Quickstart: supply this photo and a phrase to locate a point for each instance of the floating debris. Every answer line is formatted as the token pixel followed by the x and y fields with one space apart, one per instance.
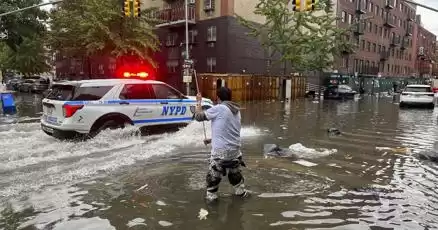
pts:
pixel 202 214
pixel 164 223
pixel 142 187
pixel 161 203
pixel 135 222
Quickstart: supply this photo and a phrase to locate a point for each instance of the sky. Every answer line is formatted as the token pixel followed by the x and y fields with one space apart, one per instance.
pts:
pixel 429 18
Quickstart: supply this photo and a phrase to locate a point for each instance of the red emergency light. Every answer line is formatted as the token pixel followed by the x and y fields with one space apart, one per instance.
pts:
pixel 139 74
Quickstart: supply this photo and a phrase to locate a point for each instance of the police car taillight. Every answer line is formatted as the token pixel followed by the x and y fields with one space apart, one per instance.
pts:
pixel 70 110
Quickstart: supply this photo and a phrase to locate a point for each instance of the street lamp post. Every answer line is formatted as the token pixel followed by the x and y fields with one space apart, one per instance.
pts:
pixel 186 71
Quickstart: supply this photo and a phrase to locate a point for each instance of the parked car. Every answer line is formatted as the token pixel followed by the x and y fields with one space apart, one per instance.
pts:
pixel 339 92
pixel 26 85
pixel 417 95
pixel 34 85
pixel 13 83
pixel 40 85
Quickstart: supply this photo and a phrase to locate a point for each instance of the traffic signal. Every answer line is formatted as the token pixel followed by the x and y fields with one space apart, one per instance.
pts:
pixel 136 8
pixel 127 8
pixel 309 5
pixel 296 5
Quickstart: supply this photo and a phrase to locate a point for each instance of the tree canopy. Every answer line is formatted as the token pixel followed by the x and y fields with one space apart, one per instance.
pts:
pixel 31 57
pixel 94 27
pixel 28 23
pixel 24 50
pixel 308 41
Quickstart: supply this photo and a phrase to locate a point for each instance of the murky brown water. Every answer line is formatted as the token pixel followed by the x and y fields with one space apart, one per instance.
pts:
pixel 117 181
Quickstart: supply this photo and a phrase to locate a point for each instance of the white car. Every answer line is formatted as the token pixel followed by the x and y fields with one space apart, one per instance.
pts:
pixel 84 108
pixel 417 95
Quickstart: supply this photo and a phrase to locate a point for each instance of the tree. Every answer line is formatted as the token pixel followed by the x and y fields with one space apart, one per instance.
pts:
pixel 31 57
pixel 82 28
pixel 28 23
pixel 307 40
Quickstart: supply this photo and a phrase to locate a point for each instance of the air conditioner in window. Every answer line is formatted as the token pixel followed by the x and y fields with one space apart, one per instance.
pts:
pixel 208 5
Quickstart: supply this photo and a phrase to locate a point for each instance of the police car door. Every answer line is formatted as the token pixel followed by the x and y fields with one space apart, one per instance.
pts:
pixel 138 99
pixel 174 109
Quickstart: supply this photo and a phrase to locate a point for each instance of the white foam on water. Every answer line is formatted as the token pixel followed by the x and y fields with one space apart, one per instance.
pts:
pixel 161 203
pixel 165 223
pixel 136 222
pixel 94 223
pixel 31 160
pixel 304 152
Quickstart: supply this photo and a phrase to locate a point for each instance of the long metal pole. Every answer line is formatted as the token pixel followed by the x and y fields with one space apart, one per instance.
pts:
pixel 421 5
pixel 30 7
pixel 187 39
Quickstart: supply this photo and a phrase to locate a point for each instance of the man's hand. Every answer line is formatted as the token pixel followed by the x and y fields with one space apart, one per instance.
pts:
pixel 207 141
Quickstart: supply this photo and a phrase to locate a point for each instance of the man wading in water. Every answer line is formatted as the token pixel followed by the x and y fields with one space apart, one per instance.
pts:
pixel 225 153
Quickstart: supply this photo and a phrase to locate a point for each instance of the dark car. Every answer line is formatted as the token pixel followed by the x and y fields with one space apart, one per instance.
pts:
pixel 13 83
pixel 339 92
pixel 34 85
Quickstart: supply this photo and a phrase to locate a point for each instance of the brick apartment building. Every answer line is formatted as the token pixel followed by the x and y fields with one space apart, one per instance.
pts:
pixel 217 41
pixel 383 33
pixel 425 44
pixel 387 37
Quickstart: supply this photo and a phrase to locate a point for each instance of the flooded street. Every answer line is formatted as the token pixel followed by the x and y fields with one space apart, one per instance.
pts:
pixel 365 178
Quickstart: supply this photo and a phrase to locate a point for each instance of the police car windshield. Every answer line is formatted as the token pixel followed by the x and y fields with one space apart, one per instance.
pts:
pixel 75 93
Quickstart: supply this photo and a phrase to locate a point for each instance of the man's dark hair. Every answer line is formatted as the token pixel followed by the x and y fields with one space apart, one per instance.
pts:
pixel 224 94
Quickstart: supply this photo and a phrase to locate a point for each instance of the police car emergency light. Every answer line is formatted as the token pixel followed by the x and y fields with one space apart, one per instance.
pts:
pixel 85 108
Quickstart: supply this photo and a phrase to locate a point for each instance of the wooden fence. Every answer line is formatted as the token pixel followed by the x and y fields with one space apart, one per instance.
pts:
pixel 251 87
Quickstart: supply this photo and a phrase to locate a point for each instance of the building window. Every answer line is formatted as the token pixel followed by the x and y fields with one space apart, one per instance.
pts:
pixel 211 64
pixel 376 10
pixel 211 34
pixel 192 36
pixel 173 53
pixel 171 39
pixel 172 66
pixel 370 27
pixel 345 61
pixel 209 5
pixel 374 47
pixel 380 48
pixel 350 18
pixel 344 16
pixel 381 31
pixel 368 46
pixel 362 45
pixel 375 28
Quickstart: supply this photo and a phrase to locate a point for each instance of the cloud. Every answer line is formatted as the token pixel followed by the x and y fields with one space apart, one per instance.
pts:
pixel 428 17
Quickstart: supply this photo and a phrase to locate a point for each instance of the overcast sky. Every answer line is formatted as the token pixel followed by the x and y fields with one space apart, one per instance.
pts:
pixel 428 18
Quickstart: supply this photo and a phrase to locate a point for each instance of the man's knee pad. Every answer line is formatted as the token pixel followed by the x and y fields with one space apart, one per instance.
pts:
pixel 213 182
pixel 235 177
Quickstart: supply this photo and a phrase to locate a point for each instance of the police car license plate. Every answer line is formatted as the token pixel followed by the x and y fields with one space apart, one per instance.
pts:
pixel 50 119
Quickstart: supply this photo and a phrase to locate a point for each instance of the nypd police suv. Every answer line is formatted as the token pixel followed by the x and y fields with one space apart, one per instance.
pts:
pixel 84 108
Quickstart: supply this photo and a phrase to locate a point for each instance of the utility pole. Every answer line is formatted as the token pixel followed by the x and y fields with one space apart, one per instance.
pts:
pixel 186 12
pixel 30 7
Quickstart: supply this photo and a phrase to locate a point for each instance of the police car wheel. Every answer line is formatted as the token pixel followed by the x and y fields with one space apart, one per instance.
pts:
pixel 109 124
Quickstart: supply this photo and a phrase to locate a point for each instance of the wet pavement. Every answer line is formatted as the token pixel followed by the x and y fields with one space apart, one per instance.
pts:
pixel 366 178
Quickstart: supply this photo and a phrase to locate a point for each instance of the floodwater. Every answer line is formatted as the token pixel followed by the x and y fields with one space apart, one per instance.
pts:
pixel 366 178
